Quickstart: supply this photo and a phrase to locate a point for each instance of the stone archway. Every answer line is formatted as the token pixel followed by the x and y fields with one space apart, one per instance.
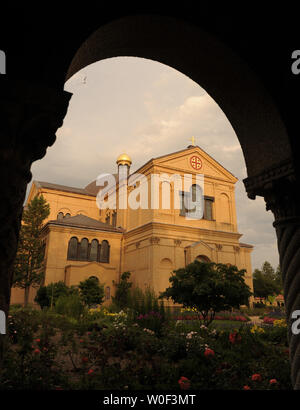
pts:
pixel 244 100
pixel 33 112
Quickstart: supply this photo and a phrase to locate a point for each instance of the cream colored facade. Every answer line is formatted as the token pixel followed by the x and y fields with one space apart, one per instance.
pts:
pixel 150 243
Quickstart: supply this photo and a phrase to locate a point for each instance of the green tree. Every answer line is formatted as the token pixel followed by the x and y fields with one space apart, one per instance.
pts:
pixel 121 298
pixel 91 291
pixel 47 295
pixel 208 287
pixel 28 268
pixel 268 270
pixel 267 282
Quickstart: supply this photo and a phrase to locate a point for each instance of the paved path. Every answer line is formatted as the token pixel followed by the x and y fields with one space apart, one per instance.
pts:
pixel 255 320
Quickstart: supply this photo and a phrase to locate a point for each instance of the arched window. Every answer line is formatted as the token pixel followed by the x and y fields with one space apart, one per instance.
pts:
pixel 224 208
pixel 107 219
pixel 94 278
pixel 60 216
pixel 67 215
pixel 83 249
pixel 72 248
pixel 94 251
pixel 202 258
pixel 107 293
pixel 165 270
pixel 104 252
pixel 166 263
pixel 166 195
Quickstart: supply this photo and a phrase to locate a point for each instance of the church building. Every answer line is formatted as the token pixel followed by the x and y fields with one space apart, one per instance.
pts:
pixel 82 240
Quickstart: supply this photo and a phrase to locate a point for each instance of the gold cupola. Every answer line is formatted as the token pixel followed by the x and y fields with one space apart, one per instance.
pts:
pixel 124 159
pixel 123 162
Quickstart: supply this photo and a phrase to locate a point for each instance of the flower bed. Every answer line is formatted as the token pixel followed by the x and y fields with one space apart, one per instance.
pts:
pixel 238 318
pixel 47 351
pixel 269 320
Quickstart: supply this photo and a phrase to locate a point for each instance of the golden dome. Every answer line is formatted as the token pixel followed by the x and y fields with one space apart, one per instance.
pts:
pixel 124 159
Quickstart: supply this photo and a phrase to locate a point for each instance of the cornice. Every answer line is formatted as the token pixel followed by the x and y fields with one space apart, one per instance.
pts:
pixel 90 263
pixel 174 227
pixel 52 227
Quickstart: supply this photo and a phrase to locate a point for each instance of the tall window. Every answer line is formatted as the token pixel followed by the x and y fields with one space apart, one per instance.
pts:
pixel 104 252
pixel 107 219
pixel 94 250
pixel 83 249
pixel 208 208
pixel 72 248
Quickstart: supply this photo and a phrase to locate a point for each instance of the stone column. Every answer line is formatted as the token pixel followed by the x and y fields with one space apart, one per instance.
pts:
pixel 30 115
pixel 280 188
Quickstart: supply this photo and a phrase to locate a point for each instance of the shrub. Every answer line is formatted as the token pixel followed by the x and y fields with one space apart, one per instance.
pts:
pixel 47 295
pixel 69 305
pixel 121 298
pixel 91 291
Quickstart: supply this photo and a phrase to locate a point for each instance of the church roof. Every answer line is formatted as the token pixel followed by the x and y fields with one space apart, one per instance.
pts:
pixel 93 189
pixel 82 221
pixel 58 187
pixel 245 245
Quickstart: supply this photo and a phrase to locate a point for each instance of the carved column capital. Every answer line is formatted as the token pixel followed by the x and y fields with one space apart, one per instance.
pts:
pixel 219 246
pixel 279 187
pixel 177 242
pixel 154 240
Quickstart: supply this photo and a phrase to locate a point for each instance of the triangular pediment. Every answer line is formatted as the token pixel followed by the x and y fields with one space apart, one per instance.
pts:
pixel 194 160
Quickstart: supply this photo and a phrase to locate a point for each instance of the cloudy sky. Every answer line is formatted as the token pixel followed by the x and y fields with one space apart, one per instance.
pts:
pixel 147 109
